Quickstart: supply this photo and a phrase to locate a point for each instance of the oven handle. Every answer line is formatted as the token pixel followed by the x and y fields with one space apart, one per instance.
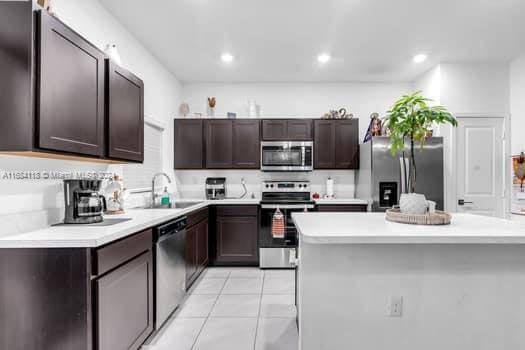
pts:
pixel 287 206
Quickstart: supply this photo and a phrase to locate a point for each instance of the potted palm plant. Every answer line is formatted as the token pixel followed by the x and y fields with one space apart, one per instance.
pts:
pixel 409 120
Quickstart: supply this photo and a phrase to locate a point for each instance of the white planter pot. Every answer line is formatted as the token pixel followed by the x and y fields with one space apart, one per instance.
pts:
pixel 415 203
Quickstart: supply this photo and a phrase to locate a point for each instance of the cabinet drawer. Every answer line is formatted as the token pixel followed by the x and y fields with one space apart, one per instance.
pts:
pixel 114 254
pixel 197 216
pixel 343 208
pixel 237 210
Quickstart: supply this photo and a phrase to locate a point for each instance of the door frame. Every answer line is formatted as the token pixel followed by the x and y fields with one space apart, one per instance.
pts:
pixel 451 174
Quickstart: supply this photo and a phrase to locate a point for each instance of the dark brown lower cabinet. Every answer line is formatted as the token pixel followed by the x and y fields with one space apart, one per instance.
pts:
pixel 237 239
pixel 125 305
pixel 77 298
pixel 191 256
pixel 196 245
pixel 202 245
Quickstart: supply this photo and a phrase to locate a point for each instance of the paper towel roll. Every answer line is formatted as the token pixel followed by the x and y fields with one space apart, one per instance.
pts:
pixel 329 187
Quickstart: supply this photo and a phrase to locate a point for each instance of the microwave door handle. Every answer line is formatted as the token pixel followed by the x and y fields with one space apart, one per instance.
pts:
pixel 303 155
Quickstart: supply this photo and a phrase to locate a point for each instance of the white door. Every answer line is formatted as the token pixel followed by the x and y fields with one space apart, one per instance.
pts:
pixel 481 166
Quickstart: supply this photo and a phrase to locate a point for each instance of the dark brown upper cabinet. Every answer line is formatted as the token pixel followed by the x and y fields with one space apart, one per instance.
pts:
pixel 232 144
pixel 246 144
pixel 286 129
pixel 219 144
pixel 125 114
pixel 274 130
pixel 55 103
pixel 299 129
pixel 70 90
pixel 324 144
pixel 347 144
pixel 189 144
pixel 336 144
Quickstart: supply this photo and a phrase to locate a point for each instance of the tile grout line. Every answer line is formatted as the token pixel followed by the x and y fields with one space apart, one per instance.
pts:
pixel 259 312
pixel 209 313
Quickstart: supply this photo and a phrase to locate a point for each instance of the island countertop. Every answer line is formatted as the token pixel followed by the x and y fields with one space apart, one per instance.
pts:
pixel 373 228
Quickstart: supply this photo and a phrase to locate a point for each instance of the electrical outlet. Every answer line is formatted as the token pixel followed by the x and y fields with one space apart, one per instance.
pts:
pixel 396 307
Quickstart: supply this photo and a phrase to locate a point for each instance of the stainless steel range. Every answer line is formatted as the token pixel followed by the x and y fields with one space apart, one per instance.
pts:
pixel 288 197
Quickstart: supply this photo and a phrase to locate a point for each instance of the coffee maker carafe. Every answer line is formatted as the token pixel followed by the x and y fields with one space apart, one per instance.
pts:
pixel 83 202
pixel 216 188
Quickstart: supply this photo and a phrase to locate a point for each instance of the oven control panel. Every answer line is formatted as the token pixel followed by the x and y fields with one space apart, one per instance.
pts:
pixel 286 186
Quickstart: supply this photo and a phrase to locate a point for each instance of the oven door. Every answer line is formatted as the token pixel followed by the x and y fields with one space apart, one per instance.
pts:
pixel 287 156
pixel 276 252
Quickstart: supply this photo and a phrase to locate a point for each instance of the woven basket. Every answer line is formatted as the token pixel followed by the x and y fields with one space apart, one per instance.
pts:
pixel 437 218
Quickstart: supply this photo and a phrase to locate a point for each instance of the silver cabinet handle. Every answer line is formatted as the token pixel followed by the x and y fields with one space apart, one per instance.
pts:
pixel 462 202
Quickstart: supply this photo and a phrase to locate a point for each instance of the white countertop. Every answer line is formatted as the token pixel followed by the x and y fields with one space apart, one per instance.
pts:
pixel 372 228
pixel 86 236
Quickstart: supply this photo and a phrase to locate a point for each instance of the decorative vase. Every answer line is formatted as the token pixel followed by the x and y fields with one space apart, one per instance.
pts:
pixel 415 203
pixel 252 109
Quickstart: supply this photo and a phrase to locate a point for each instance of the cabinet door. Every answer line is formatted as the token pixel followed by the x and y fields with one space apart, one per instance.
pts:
pixel 125 305
pixel 299 129
pixel 274 130
pixel 202 244
pixel 219 144
pixel 246 144
pixel 70 91
pixel 125 114
pixel 191 254
pixel 347 144
pixel 324 144
pixel 188 144
pixel 237 239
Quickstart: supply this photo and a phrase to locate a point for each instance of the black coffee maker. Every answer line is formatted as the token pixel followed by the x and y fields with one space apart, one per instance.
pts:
pixel 84 203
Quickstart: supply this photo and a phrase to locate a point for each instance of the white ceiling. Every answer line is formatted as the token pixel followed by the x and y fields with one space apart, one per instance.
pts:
pixel 278 40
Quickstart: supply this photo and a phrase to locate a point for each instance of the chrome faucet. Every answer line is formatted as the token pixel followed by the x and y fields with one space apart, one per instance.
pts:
pixel 153 195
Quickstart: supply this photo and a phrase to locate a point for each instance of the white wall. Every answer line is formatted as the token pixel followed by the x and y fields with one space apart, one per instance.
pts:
pixel 475 88
pixel 466 90
pixel 517 104
pixel 40 201
pixel 297 99
pixel 191 183
pixel 429 83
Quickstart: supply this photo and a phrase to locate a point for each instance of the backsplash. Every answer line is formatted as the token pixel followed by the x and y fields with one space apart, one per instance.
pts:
pixel 190 183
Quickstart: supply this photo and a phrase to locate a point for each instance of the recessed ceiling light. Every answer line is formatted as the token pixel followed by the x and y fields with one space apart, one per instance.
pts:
pixel 227 57
pixel 323 58
pixel 420 58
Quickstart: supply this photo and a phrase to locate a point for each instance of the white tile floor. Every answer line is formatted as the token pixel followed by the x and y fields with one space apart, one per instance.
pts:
pixel 234 309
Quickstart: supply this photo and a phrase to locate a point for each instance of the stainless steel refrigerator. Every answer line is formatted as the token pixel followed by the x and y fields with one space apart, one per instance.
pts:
pixel 379 178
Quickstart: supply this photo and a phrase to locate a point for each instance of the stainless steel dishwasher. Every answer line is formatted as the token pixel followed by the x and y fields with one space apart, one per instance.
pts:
pixel 170 277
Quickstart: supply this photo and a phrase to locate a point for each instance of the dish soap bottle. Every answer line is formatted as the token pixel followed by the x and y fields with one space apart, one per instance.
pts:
pixel 165 199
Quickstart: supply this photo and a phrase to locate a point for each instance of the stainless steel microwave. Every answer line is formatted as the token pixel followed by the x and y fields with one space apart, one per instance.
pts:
pixel 287 155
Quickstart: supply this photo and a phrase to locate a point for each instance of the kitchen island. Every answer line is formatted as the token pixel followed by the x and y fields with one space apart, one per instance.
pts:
pixel 369 284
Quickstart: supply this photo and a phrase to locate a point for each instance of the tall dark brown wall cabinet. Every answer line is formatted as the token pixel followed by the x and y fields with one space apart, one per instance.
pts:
pixel 53 102
pixel 336 144
pixel 188 144
pixel 125 114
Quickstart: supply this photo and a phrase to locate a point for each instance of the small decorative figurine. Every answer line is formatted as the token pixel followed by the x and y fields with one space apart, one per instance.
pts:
pixel 211 106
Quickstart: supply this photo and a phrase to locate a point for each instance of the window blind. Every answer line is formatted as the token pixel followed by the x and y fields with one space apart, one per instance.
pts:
pixel 138 176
